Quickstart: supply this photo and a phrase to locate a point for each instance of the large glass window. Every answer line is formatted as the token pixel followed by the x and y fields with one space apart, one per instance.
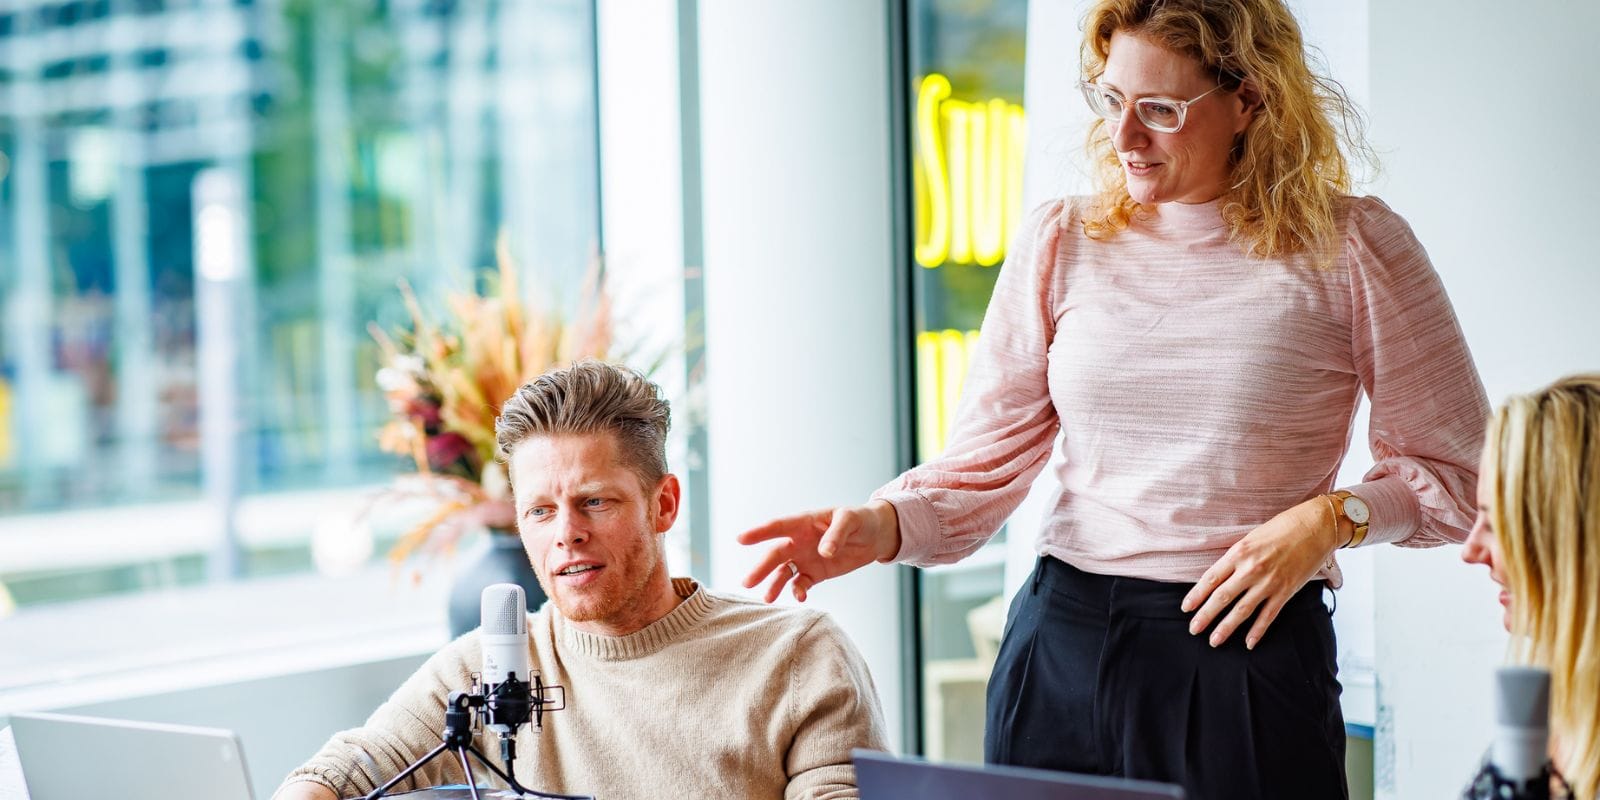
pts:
pixel 341 146
pixel 968 135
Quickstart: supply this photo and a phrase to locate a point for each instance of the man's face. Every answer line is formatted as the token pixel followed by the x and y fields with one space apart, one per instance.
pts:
pixel 593 532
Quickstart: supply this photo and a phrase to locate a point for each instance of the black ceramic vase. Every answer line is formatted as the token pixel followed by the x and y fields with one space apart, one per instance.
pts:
pixel 498 559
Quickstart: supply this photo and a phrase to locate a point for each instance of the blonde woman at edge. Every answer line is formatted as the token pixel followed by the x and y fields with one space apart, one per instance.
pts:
pixel 1538 532
pixel 1195 339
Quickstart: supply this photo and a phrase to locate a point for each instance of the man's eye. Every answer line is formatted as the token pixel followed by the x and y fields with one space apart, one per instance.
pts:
pixel 594 502
pixel 538 511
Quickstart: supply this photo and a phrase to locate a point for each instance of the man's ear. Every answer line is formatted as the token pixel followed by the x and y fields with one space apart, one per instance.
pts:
pixel 668 499
pixel 1248 96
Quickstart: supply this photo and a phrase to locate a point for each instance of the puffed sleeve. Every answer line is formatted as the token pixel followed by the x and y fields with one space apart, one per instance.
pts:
pixel 1005 422
pixel 1428 403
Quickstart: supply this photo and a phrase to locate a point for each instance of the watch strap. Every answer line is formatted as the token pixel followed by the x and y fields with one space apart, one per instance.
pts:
pixel 1361 528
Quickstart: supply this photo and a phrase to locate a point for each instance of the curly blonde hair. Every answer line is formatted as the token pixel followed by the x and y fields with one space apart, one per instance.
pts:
pixel 1287 171
pixel 1543 458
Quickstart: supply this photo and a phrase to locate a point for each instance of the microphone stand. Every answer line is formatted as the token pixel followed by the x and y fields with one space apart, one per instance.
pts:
pixel 456 737
pixel 1491 784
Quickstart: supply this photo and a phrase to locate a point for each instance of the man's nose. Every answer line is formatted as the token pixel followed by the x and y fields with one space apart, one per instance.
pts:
pixel 573 530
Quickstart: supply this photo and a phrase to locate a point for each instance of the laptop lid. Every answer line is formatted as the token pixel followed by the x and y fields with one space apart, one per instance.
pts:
pixel 881 776
pixel 80 758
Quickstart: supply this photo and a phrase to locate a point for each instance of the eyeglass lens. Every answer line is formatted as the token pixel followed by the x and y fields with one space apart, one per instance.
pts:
pixel 1156 113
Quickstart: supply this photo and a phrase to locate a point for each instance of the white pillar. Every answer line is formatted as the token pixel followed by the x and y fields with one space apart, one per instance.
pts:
pixel 220 242
pixel 336 291
pixel 138 389
pixel 642 176
pixel 801 342
pixel 28 315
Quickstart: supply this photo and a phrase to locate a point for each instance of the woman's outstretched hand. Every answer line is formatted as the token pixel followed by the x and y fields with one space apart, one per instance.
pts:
pixel 1260 572
pixel 819 545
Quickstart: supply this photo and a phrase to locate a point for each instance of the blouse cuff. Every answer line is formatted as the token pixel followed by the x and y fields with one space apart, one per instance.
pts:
pixel 919 525
pixel 1395 512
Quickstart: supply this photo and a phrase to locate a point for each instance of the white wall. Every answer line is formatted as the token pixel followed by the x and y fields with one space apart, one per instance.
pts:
pixel 800 340
pixel 1485 112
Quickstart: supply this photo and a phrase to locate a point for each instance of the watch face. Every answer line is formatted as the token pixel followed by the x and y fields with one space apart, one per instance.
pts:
pixel 1356 509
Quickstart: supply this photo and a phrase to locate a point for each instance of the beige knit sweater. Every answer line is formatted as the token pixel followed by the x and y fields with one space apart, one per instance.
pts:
pixel 722 698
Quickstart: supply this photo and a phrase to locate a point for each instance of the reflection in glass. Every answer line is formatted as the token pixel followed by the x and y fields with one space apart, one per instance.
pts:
pixel 372 141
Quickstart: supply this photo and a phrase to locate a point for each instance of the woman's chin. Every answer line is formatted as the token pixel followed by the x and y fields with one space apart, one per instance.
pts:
pixel 1144 195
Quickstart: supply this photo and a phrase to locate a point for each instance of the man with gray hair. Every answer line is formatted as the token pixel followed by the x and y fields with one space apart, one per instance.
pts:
pixel 672 690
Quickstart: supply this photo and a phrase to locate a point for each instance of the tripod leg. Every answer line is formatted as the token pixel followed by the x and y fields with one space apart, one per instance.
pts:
pixel 517 787
pixel 384 789
pixel 466 766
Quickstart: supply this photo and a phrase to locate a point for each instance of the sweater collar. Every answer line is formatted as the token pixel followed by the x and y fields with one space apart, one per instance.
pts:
pixel 1197 217
pixel 647 640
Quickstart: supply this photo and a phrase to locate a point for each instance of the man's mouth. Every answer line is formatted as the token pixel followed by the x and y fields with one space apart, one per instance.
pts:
pixel 578 569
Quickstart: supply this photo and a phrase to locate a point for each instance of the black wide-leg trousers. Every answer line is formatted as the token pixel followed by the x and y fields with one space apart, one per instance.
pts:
pixel 1099 675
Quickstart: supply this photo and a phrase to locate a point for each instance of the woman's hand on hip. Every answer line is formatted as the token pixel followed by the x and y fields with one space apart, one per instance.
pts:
pixel 1260 572
pixel 819 545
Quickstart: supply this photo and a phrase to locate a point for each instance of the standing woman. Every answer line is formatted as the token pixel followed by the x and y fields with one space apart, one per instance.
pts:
pixel 1538 532
pixel 1195 338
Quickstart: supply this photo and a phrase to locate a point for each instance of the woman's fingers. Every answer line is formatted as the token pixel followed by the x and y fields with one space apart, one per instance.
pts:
pixel 837 534
pixel 1243 607
pixel 766 565
pixel 1207 584
pixel 780 579
pixel 780 528
pixel 802 584
pixel 1217 602
pixel 1269 612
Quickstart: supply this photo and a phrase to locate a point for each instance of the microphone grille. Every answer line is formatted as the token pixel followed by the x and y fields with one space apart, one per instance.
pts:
pixel 504 609
pixel 1524 697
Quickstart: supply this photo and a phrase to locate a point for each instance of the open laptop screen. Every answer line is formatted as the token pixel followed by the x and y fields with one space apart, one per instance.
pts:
pixel 79 758
pixel 881 776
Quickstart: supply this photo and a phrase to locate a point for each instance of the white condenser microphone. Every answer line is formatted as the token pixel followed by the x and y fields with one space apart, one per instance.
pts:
pixel 1518 767
pixel 1522 727
pixel 507 670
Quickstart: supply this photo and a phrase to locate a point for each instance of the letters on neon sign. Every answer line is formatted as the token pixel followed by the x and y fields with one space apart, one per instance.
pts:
pixel 968 175
pixel 942 358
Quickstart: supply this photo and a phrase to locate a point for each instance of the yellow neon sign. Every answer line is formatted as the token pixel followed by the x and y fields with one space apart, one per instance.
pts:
pixel 968 176
pixel 942 360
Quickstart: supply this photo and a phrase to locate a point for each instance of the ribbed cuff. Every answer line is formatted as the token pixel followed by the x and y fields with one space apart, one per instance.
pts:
pixel 919 526
pixel 315 777
pixel 1395 512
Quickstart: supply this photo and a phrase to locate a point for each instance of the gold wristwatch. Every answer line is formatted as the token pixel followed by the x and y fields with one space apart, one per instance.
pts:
pixel 1353 508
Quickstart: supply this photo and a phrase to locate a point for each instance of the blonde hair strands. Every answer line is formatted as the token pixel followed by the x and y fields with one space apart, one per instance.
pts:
pixel 1287 170
pixel 1544 453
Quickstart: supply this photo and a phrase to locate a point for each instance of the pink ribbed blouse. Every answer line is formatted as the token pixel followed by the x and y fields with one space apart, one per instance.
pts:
pixel 1195 393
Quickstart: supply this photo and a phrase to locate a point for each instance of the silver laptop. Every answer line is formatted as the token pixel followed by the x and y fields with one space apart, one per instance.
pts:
pixel 80 758
pixel 881 776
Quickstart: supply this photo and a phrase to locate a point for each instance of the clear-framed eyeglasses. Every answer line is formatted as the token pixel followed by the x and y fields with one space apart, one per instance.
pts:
pixel 1160 114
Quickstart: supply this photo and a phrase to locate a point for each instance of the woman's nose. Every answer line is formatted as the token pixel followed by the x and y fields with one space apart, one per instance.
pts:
pixel 1128 132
